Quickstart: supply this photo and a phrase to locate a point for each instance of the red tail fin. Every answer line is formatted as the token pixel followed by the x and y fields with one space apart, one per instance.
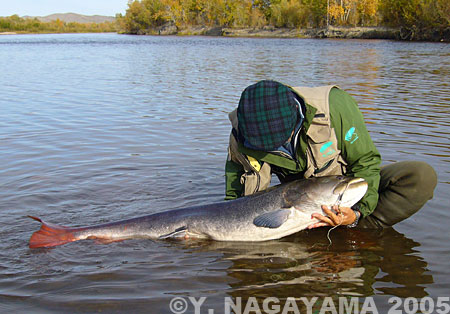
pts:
pixel 50 235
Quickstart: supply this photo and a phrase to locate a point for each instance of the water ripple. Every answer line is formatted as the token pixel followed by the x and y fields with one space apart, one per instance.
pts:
pixel 101 127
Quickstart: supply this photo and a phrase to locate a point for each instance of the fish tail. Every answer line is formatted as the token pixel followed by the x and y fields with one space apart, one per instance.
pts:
pixel 51 235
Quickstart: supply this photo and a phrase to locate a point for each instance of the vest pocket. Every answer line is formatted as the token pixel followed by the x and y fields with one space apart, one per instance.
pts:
pixel 319 130
pixel 254 181
pixel 322 153
pixel 322 145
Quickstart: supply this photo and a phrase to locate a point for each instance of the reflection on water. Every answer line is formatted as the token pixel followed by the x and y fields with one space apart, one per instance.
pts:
pixel 102 127
pixel 359 263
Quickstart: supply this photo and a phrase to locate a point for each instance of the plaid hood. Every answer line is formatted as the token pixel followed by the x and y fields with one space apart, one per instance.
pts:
pixel 267 114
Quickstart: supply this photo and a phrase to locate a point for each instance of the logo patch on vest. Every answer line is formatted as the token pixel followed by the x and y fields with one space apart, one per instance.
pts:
pixel 351 136
pixel 324 148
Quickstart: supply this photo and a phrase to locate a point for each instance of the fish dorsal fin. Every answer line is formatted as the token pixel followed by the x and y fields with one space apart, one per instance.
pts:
pixel 272 219
pixel 177 234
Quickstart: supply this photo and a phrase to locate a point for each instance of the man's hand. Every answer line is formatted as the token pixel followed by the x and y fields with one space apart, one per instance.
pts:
pixel 337 215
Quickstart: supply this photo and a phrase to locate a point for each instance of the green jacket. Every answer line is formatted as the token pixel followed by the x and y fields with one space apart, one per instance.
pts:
pixel 357 149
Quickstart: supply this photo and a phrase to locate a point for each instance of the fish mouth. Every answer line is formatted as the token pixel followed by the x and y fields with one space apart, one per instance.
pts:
pixel 346 182
pixel 357 182
pixel 350 190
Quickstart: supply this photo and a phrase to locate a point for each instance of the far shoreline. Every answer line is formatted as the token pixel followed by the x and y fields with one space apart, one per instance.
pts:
pixel 331 32
pixel 341 32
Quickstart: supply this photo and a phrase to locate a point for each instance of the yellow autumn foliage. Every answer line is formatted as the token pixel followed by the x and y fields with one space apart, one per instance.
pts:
pixel 144 15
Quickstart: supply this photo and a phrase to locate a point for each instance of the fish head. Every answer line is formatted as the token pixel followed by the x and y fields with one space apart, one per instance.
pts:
pixel 349 190
pixel 329 191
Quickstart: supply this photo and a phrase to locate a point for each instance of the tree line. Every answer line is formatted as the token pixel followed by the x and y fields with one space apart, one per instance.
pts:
pixel 143 15
pixel 17 24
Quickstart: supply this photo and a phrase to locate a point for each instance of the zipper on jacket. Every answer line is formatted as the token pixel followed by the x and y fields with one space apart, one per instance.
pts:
pixel 317 171
pixel 282 154
pixel 258 182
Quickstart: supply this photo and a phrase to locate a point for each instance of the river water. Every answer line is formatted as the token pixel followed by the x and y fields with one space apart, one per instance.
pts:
pixel 101 127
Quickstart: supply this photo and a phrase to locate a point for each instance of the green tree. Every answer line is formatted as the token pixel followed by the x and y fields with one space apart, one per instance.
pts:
pixel 419 14
pixel 288 13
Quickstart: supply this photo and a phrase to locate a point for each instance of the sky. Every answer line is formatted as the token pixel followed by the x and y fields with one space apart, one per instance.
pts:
pixel 47 7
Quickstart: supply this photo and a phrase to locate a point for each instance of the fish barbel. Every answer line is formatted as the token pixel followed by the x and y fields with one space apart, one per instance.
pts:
pixel 271 214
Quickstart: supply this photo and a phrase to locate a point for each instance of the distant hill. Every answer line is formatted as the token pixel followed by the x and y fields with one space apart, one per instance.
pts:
pixel 73 17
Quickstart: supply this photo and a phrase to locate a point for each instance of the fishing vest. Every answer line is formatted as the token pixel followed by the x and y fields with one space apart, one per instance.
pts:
pixel 322 153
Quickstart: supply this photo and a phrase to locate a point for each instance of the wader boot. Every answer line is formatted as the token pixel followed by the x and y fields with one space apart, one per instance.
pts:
pixel 404 188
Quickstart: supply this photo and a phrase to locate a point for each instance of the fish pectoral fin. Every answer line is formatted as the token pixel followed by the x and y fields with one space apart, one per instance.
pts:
pixel 179 233
pixel 272 219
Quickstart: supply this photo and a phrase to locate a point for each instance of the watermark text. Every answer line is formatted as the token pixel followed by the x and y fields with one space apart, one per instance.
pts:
pixel 311 305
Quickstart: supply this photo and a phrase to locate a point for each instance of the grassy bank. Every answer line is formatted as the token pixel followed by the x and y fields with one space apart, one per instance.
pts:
pixel 18 25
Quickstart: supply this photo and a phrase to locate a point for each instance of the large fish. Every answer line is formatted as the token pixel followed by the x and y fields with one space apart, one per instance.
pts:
pixel 275 213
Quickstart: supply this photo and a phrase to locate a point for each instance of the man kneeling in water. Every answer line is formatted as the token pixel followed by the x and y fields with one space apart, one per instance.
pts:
pixel 302 132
